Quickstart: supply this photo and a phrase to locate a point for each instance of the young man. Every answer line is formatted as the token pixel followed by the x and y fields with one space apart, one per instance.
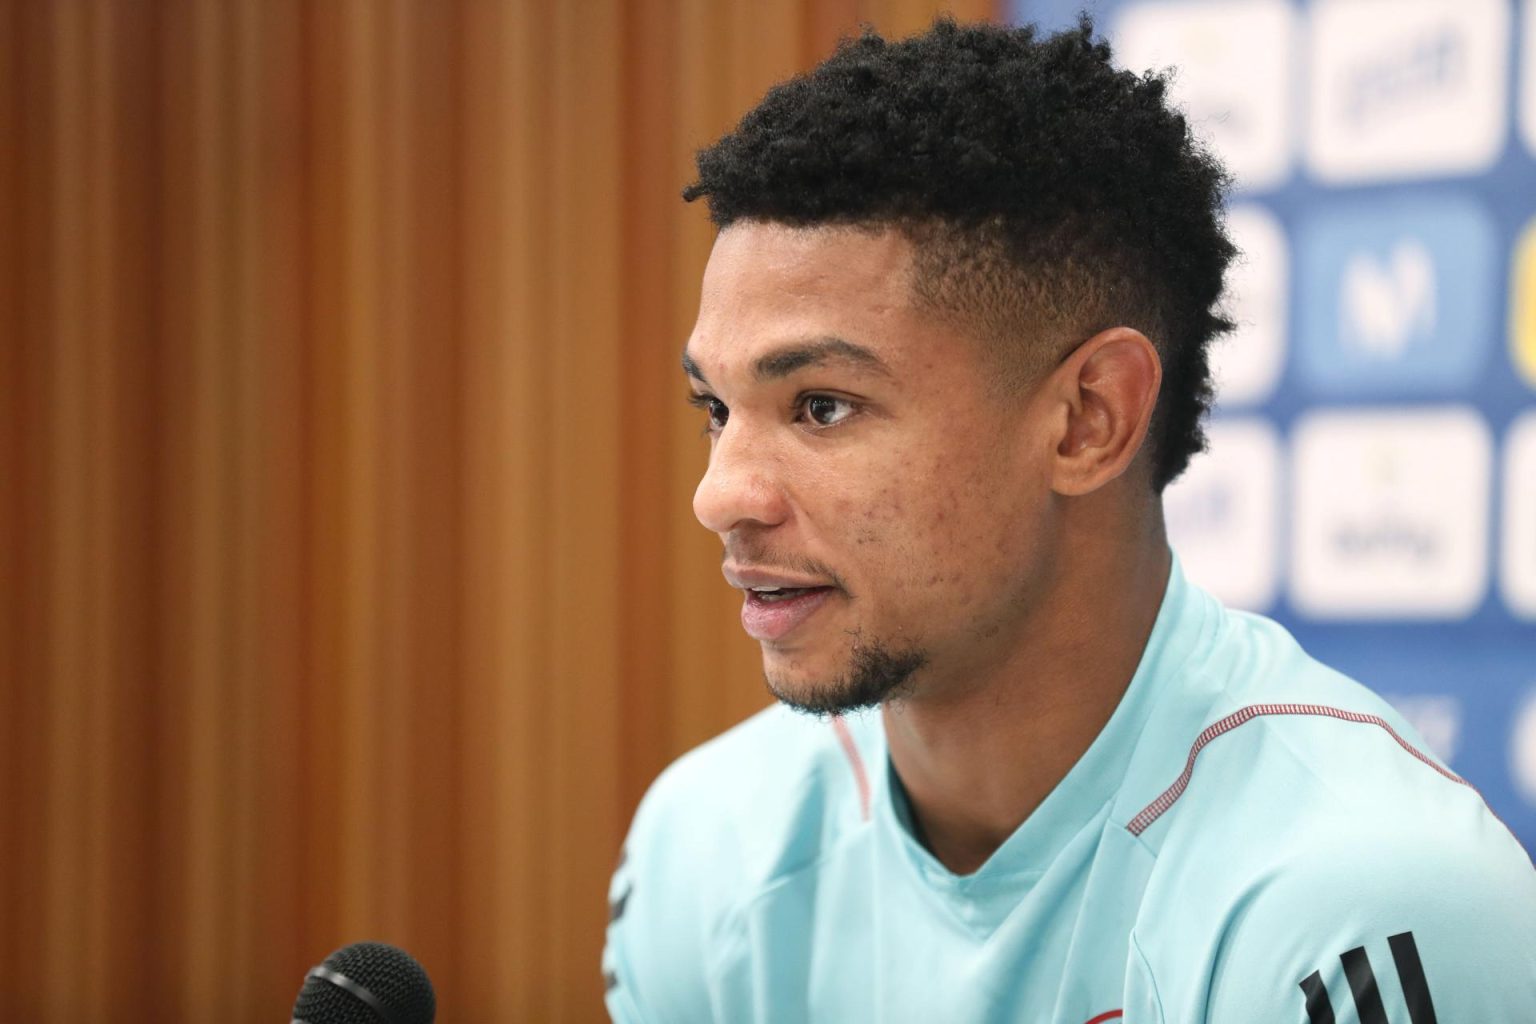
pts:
pixel 951 347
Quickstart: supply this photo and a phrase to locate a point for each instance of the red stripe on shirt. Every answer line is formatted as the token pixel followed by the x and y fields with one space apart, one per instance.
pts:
pixel 845 738
pixel 1170 796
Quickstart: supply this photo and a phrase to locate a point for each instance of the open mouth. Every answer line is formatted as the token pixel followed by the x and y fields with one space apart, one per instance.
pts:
pixel 773 595
pixel 772 613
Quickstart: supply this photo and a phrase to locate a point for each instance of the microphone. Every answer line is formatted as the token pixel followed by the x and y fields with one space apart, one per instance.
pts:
pixel 366 983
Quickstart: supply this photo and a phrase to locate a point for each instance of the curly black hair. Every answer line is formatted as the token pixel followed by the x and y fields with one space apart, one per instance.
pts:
pixel 1047 194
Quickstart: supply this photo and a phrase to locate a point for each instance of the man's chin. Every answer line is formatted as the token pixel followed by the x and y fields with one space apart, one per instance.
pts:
pixel 871 676
pixel 810 689
pixel 818 699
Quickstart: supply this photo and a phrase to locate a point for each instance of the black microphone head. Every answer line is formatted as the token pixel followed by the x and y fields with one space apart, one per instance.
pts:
pixel 366 983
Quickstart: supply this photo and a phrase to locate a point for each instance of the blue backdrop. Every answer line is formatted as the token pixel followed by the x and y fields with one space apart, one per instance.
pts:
pixel 1372 476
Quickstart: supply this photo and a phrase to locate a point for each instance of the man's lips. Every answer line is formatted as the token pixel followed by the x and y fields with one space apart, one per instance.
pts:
pixel 772 616
pixel 776 602
pixel 744 577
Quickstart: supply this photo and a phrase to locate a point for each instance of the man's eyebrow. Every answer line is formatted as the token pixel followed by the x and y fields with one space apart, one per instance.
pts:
pixel 691 368
pixel 784 361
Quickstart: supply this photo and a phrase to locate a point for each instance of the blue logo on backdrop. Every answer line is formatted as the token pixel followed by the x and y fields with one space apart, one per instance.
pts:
pixel 1396 297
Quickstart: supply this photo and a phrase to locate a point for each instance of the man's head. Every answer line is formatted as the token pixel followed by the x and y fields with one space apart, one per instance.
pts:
pixel 925 329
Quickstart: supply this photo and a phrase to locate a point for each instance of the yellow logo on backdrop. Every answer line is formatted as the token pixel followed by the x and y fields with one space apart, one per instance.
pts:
pixel 1522 306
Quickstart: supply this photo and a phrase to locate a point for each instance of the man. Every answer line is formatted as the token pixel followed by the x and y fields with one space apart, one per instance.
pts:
pixel 951 347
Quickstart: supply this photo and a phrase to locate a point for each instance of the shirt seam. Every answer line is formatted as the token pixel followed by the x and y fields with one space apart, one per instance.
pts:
pixel 781 879
pixel 1157 996
pixel 1210 624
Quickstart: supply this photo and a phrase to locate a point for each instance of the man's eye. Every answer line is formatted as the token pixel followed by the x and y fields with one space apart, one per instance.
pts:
pixel 714 410
pixel 826 411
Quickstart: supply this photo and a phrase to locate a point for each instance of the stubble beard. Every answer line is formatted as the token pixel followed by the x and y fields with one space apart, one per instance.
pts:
pixel 877 672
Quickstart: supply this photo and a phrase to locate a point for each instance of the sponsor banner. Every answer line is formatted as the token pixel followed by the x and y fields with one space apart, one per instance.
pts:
pixel 1222 514
pixel 1396 296
pixel 1390 513
pixel 1406 88
pixel 1237 95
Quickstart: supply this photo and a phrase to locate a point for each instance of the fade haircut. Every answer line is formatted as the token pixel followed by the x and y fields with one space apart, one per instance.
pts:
pixel 1047 195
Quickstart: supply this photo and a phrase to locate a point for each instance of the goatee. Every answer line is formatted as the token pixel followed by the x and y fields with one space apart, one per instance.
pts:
pixel 876 673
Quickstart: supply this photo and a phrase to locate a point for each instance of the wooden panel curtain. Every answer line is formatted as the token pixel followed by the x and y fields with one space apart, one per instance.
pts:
pixel 350 587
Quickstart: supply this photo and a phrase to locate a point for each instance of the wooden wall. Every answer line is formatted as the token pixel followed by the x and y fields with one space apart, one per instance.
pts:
pixel 350 587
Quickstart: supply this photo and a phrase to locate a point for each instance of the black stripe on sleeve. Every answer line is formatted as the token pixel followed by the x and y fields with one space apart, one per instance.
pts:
pixel 1319 1006
pixel 1362 983
pixel 616 906
pixel 1410 971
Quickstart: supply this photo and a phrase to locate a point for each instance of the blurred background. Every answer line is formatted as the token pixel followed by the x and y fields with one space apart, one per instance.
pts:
pixel 348 583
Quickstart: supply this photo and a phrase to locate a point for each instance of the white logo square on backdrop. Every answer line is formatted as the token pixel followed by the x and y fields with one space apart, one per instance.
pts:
pixel 1390 513
pixel 1234 76
pixel 1406 88
pixel 1222 514
pixel 1246 364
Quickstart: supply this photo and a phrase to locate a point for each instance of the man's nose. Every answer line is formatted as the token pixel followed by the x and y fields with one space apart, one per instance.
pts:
pixel 742 486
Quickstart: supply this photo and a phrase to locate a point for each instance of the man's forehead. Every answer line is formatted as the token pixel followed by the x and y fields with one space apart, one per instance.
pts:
pixel 767 261
pixel 777 298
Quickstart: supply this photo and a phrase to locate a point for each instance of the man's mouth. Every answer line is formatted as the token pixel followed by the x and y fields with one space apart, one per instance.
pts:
pixel 772 613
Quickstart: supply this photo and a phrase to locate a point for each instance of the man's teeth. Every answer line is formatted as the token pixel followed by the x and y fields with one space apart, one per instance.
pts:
pixel 777 593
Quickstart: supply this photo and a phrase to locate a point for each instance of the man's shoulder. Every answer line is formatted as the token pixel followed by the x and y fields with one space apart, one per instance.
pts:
pixel 1259 727
pixel 761 799
pixel 1298 903
pixel 767 798
pixel 1304 822
pixel 1283 752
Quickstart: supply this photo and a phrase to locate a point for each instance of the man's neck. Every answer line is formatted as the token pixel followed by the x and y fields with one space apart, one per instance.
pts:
pixel 978 761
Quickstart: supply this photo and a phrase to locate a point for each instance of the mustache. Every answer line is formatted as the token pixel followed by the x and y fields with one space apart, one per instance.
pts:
pixel 759 556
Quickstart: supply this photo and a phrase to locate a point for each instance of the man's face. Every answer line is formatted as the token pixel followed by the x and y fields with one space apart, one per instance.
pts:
pixel 861 463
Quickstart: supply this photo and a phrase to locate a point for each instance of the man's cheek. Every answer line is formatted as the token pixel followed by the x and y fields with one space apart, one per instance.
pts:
pixel 873 513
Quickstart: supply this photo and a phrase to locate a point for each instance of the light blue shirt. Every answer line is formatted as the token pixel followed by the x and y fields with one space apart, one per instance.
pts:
pixel 1252 837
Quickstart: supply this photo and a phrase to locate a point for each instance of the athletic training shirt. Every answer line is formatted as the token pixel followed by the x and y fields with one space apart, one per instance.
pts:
pixel 1252 837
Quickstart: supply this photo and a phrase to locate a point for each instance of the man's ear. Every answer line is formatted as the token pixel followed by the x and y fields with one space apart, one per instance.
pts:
pixel 1107 388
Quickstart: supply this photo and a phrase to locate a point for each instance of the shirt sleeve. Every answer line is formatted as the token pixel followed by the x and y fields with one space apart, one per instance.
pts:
pixel 658 952
pixel 1397 928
